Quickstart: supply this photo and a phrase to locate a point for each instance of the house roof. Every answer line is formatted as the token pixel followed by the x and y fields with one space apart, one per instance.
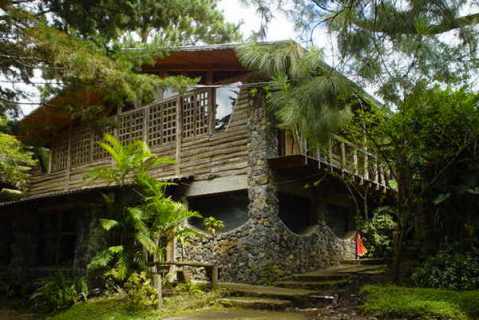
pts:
pixel 193 60
pixel 37 127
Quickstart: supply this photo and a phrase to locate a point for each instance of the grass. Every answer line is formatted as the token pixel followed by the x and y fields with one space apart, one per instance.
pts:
pixel 116 308
pixel 393 301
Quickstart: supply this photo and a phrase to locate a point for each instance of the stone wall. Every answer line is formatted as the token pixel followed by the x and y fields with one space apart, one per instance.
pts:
pixel 264 249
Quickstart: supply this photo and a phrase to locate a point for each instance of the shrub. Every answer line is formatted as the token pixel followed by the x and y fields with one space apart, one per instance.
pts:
pixel 378 233
pixel 58 292
pixel 140 292
pixel 448 271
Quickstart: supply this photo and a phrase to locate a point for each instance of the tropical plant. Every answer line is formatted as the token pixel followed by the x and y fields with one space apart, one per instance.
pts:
pixel 213 225
pixel 302 88
pixel 58 292
pixel 138 232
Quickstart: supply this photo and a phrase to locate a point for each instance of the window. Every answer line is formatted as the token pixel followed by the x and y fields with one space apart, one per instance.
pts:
pixel 57 239
pixel 231 208
pixel 226 98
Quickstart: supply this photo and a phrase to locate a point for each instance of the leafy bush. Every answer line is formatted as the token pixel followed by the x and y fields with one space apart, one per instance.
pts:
pixel 58 292
pixel 141 293
pixel 449 271
pixel 378 233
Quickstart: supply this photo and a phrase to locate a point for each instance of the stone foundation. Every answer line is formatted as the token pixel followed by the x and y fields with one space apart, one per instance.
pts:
pixel 264 249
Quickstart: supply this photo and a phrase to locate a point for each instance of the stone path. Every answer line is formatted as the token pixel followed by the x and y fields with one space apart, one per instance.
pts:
pixel 13 315
pixel 320 288
pixel 234 314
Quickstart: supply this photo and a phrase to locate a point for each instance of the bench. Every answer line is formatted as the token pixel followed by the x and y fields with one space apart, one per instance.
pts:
pixel 212 270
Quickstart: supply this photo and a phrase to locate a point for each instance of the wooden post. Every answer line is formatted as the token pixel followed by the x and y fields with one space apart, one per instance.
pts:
pixel 355 162
pixel 179 133
pixel 343 156
pixel 211 111
pixel 69 159
pixel 366 164
pixel 146 124
pixel 50 160
pixel 214 277
pixel 157 286
pixel 330 154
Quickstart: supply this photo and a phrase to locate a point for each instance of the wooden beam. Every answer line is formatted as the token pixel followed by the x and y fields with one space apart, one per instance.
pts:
pixel 179 133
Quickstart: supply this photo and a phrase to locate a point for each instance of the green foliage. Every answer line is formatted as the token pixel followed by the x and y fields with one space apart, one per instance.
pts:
pixel 16 160
pixel 94 46
pixel 390 45
pixel 58 292
pixel 378 232
pixel 137 231
pixel 213 225
pixel 429 144
pixel 303 88
pixel 418 303
pixel 140 292
pixel 449 271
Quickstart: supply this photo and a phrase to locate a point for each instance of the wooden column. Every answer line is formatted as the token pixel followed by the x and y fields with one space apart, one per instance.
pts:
pixel 211 111
pixel 355 162
pixel 179 133
pixel 343 156
pixel 69 158
pixel 146 122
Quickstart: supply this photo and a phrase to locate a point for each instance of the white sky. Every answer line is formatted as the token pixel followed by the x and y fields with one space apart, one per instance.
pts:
pixel 280 28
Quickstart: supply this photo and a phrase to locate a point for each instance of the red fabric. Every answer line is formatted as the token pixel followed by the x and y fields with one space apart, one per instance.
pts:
pixel 360 247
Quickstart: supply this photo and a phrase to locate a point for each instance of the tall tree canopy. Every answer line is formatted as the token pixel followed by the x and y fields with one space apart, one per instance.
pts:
pixel 392 44
pixel 90 43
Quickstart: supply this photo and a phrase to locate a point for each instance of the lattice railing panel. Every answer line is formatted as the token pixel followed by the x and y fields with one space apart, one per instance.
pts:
pixel 195 113
pixel 80 147
pixel 131 126
pixel 60 154
pixel 98 152
pixel 157 124
pixel 162 123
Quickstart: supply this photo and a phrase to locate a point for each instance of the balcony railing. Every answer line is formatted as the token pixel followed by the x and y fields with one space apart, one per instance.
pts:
pixel 161 123
pixel 340 156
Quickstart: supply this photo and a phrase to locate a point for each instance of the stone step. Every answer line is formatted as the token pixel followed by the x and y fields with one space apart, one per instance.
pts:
pixel 255 303
pixel 242 289
pixel 315 285
pixel 341 272
pixel 364 261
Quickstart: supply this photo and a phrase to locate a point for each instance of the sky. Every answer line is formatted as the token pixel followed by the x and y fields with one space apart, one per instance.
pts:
pixel 280 28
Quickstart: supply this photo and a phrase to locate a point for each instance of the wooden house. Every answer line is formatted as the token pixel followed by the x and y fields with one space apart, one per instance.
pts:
pixel 231 163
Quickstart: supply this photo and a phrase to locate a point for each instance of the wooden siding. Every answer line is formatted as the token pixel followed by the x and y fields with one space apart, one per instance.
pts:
pixel 200 151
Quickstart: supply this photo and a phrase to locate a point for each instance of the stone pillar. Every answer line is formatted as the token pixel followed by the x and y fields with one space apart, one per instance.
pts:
pixel 262 145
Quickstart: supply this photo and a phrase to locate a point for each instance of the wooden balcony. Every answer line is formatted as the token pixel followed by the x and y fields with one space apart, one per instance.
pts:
pixel 183 127
pixel 339 157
